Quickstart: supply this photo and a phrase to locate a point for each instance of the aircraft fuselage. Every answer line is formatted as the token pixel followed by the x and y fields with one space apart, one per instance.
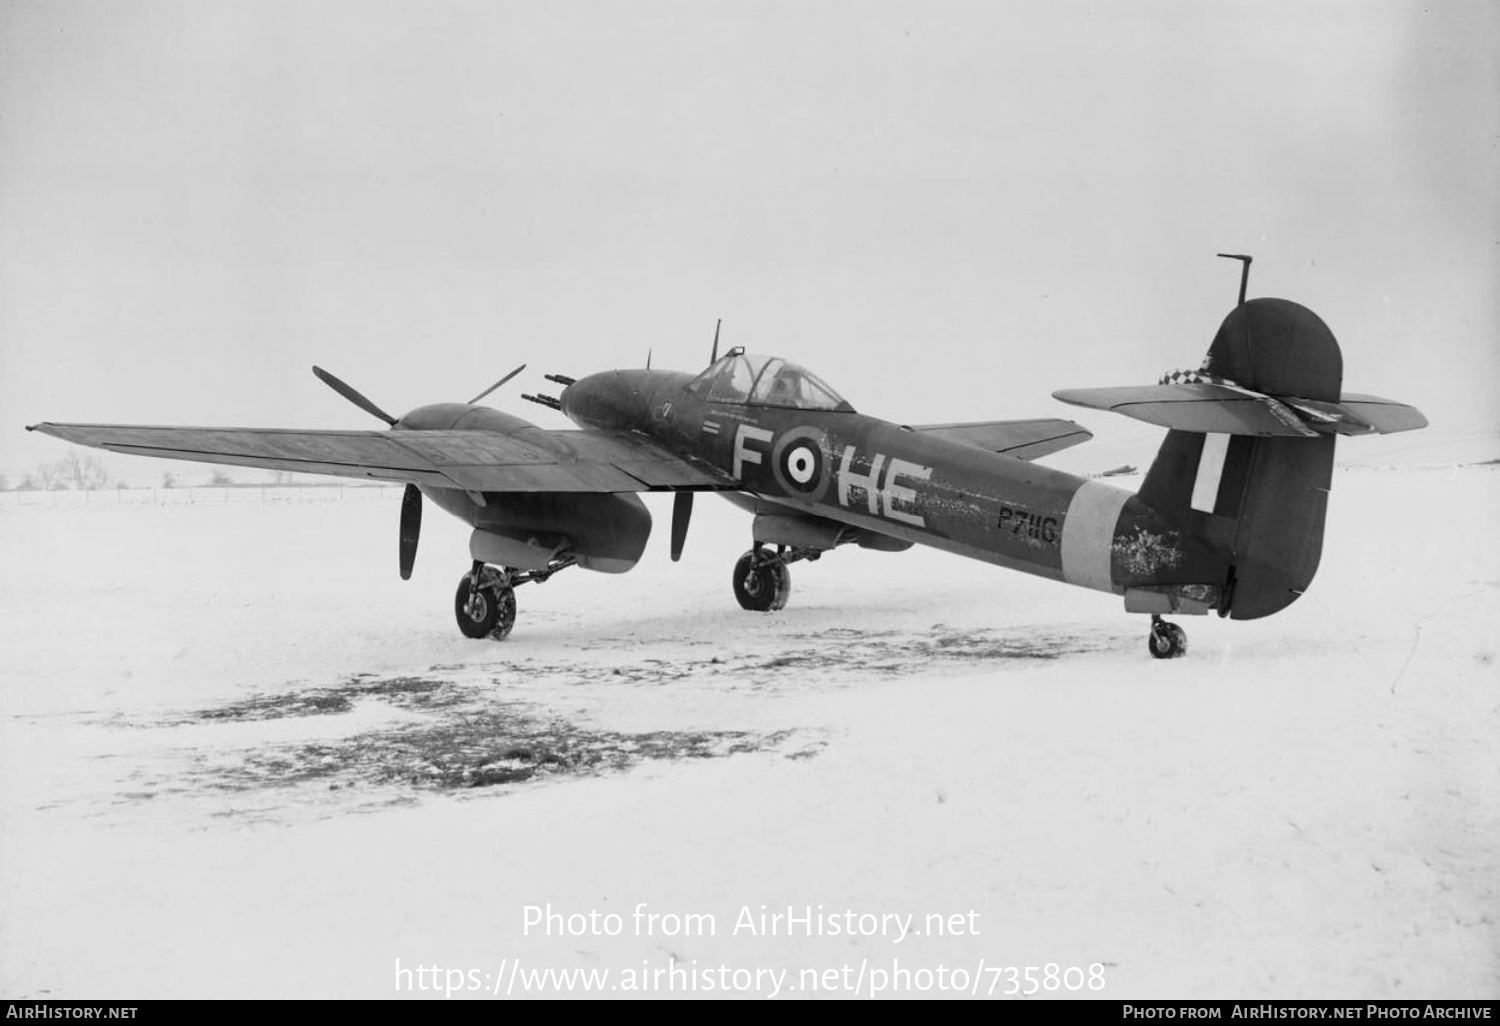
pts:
pixel 905 484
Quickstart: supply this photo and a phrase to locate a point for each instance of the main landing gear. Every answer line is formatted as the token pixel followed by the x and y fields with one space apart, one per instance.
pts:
pixel 762 581
pixel 1166 640
pixel 485 604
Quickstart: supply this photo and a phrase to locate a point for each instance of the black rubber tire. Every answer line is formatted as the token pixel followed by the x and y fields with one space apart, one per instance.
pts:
pixel 1166 641
pixel 505 619
pixel 782 577
pixel 493 614
pixel 761 583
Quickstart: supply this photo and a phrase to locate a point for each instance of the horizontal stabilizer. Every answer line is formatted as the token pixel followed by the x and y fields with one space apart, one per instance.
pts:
pixel 1022 439
pixel 1385 416
pixel 1205 408
pixel 1220 409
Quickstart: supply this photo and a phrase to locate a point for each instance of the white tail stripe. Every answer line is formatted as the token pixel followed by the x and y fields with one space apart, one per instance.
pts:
pixel 1210 472
pixel 1088 535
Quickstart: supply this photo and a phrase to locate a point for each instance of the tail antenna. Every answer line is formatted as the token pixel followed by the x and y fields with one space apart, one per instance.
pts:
pixel 1244 271
pixel 715 357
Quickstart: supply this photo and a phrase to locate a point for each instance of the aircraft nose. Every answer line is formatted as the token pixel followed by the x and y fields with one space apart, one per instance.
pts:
pixel 606 400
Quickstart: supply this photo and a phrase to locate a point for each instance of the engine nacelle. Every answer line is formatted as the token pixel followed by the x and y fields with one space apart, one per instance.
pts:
pixel 529 530
pixel 466 417
pixel 606 532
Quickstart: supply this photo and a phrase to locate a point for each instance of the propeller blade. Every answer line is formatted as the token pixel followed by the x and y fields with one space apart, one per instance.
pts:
pixel 353 396
pixel 713 359
pixel 497 384
pixel 411 528
pixel 682 512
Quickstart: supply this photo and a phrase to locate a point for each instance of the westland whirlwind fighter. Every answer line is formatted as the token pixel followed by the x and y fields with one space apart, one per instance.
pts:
pixel 1229 518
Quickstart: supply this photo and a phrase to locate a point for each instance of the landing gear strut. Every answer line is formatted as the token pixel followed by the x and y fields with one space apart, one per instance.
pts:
pixel 762 581
pixel 1166 640
pixel 485 604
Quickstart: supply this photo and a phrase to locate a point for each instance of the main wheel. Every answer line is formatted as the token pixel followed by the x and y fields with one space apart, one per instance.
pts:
pixel 781 583
pixel 1166 640
pixel 490 614
pixel 761 583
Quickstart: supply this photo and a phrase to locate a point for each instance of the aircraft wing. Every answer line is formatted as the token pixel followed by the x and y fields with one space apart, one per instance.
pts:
pixel 1023 439
pixel 475 461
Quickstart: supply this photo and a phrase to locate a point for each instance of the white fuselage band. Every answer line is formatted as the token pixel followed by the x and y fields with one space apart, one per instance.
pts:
pixel 1088 535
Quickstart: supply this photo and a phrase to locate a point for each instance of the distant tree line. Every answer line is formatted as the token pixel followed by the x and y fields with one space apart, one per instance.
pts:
pixel 84 472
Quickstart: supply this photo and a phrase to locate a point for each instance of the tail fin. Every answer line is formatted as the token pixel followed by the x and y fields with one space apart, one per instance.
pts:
pixel 1260 502
pixel 1248 461
pixel 1263 499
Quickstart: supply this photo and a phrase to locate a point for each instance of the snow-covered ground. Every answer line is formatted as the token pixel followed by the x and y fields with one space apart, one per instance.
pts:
pixel 240 757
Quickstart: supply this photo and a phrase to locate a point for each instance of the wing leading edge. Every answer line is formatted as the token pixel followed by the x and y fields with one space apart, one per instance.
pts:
pixel 475 461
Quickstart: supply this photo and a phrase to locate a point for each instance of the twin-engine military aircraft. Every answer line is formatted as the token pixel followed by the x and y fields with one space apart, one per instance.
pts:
pixel 1229 518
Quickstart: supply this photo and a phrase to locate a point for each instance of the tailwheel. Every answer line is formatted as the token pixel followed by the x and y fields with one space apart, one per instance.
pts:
pixel 486 611
pixel 762 581
pixel 1166 640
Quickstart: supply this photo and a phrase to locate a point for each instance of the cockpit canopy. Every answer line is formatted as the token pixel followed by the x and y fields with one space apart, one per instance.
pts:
pixel 741 377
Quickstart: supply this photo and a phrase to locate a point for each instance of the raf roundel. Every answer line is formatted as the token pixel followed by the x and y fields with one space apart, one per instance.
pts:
pixel 801 464
pixel 798 461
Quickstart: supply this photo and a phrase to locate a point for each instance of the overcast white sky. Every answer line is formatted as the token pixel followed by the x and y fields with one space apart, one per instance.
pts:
pixel 946 209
